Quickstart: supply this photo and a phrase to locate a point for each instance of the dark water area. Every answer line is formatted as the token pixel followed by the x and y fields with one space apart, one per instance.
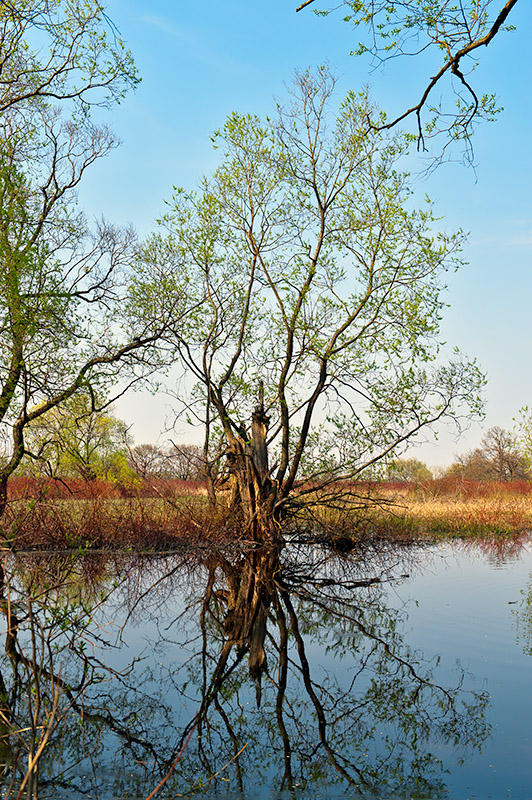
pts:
pixel 301 673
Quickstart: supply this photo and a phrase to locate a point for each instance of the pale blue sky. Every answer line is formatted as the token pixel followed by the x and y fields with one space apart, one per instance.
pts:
pixel 199 61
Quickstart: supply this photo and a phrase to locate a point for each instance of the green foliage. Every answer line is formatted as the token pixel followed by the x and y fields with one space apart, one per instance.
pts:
pixel 63 283
pixel 523 620
pixel 305 267
pixel 65 50
pixel 408 469
pixel 74 440
pixel 53 269
pixel 446 38
pixel 523 433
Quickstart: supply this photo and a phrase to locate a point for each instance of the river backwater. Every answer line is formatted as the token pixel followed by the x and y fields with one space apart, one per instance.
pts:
pixel 388 672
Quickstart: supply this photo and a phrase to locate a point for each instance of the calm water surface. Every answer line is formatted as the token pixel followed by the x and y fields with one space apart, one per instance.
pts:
pixel 301 674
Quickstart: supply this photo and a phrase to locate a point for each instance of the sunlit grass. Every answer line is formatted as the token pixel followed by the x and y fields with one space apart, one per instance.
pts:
pixel 434 508
pixel 141 523
pixel 166 517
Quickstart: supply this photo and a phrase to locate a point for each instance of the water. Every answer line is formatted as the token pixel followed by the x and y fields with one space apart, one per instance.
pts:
pixel 302 674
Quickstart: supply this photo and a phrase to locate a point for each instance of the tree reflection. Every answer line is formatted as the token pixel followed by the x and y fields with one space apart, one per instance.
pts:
pixel 498 549
pixel 63 701
pixel 368 723
pixel 278 670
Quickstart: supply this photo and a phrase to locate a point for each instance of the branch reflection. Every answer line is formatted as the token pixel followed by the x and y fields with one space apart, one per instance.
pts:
pixel 265 673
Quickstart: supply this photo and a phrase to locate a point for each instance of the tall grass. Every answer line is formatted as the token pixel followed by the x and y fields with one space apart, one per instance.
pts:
pixel 445 507
pixel 151 515
pixel 160 514
pixel 22 486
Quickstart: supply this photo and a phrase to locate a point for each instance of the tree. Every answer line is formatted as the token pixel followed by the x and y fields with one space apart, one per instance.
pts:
pixel 66 50
pixel 63 284
pixel 147 460
pixel 455 32
pixel 53 271
pixel 523 433
pixel 318 298
pixel 472 466
pixel 500 449
pixel 179 461
pixel 79 439
pixel 408 469
pixel 498 458
pixel 185 461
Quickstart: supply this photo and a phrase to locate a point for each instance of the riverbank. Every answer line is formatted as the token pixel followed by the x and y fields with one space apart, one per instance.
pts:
pixel 159 517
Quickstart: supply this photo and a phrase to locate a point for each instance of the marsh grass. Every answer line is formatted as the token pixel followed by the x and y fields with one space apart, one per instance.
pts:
pixel 149 517
pixel 439 508
pixel 105 516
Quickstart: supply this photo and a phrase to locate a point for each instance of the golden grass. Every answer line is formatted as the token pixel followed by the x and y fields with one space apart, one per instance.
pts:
pixel 430 510
pixel 113 523
pixel 395 511
pixel 497 514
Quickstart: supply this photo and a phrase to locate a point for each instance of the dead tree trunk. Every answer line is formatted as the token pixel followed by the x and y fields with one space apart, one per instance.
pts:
pixel 252 488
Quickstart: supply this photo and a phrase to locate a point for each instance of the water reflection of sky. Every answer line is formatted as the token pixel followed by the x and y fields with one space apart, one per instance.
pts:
pixel 424 681
pixel 469 606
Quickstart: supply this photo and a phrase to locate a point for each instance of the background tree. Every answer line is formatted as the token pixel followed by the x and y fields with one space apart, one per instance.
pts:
pixel 318 296
pixel 472 466
pixel 79 439
pixel 498 458
pixel 147 460
pixel 179 461
pixel 408 469
pixel 185 461
pixel 500 449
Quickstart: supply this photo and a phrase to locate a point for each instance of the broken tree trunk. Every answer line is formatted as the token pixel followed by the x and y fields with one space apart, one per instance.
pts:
pixel 252 488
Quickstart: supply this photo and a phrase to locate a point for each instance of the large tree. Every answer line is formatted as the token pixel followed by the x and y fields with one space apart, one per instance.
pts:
pixel 63 282
pixel 318 292
pixel 61 288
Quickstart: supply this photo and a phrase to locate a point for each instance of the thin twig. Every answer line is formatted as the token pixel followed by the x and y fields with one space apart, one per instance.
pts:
pixel 216 773
pixel 174 765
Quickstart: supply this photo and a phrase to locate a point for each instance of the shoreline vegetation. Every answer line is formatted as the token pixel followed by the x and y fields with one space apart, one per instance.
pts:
pixel 155 515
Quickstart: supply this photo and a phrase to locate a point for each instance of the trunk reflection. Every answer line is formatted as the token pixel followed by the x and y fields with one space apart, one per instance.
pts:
pixel 283 671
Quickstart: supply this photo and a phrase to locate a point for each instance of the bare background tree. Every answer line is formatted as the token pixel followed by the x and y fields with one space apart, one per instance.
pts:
pixel 178 461
pixel 498 458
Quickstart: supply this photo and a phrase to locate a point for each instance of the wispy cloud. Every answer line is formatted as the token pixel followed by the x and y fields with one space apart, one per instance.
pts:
pixel 162 24
pixel 512 233
pixel 520 240
pixel 195 41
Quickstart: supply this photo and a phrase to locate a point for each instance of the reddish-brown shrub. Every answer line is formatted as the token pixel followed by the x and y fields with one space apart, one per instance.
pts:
pixel 22 486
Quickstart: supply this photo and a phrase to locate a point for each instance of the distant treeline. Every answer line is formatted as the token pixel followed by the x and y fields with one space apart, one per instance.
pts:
pixel 501 456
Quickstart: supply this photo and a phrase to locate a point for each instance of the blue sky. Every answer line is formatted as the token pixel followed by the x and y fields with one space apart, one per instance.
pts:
pixel 200 61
